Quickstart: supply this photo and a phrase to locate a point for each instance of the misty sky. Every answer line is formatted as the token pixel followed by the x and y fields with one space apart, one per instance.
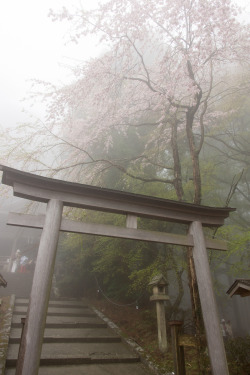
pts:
pixel 32 46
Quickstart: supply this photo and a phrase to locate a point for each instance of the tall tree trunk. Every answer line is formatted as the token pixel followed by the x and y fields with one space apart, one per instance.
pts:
pixel 194 155
pixel 177 164
pixel 195 300
pixel 197 313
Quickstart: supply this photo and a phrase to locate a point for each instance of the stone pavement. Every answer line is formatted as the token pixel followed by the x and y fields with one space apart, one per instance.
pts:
pixel 76 341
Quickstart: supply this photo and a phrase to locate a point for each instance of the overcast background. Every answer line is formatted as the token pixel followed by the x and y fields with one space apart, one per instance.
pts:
pixel 32 46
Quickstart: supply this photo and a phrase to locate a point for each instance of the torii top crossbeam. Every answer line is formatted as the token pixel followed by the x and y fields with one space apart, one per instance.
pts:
pixel 38 188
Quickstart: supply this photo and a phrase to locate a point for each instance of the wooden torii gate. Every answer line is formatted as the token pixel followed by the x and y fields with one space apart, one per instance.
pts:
pixel 58 194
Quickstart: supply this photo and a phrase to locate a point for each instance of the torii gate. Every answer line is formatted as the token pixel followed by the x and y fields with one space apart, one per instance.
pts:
pixel 57 194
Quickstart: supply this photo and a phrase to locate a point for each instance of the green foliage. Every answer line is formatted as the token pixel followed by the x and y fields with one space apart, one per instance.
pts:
pixel 121 269
pixel 238 355
pixel 73 265
pixel 237 258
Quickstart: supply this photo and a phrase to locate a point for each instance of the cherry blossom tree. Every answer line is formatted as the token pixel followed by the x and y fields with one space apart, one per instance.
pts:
pixel 165 66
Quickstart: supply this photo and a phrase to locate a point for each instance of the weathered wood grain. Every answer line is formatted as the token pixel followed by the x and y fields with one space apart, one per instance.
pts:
pixel 142 206
pixel 33 221
pixel 30 351
pixel 208 303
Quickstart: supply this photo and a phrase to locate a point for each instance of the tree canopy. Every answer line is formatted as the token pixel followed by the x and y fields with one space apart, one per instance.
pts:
pixel 165 68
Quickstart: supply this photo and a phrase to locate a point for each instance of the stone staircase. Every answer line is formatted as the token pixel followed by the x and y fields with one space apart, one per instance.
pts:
pixel 76 341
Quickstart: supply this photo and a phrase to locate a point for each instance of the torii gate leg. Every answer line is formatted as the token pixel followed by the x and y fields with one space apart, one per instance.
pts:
pixel 31 346
pixel 208 304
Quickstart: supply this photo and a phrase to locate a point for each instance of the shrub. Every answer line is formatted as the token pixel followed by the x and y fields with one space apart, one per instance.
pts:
pixel 238 355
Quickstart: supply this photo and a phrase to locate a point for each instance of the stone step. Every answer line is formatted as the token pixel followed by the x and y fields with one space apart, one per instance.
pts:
pixel 69 325
pixel 90 369
pixel 57 303
pixel 16 319
pixel 64 339
pixel 58 308
pixel 78 353
pixel 78 359
pixel 54 311
pixel 74 333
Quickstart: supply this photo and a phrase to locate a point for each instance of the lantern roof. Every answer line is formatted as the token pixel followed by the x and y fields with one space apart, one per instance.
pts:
pixel 240 287
pixel 158 280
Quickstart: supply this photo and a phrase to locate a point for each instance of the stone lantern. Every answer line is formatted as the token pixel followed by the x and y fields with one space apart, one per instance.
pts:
pixel 159 284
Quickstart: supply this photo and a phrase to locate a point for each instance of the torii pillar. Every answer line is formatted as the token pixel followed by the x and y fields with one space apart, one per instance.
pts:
pixel 31 346
pixel 208 303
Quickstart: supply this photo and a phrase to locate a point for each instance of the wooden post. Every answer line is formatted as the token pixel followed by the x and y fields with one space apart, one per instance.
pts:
pixel 208 304
pixel 131 221
pixel 22 324
pixel 178 351
pixel 30 351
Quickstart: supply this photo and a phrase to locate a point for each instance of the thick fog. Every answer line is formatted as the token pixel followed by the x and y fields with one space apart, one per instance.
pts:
pixel 13 238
